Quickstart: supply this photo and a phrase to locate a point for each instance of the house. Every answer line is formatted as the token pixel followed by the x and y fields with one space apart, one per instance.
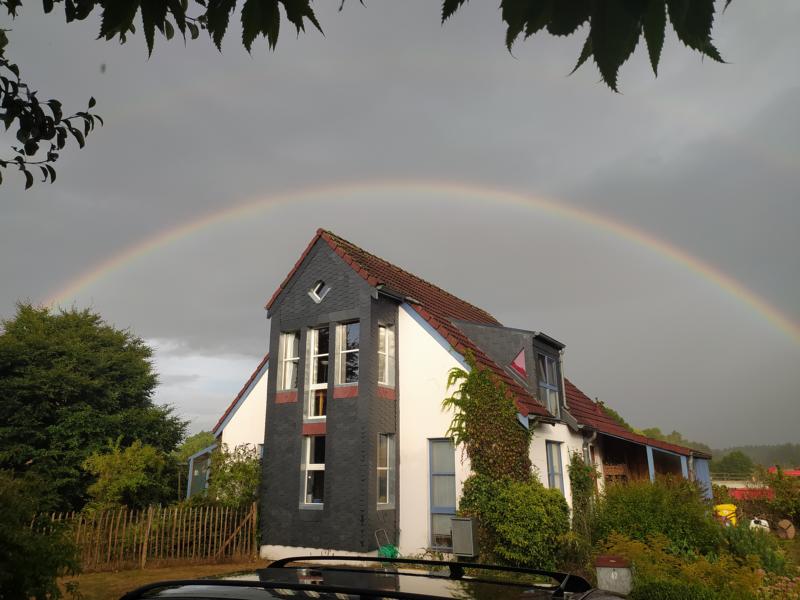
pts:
pixel 355 439
pixel 242 424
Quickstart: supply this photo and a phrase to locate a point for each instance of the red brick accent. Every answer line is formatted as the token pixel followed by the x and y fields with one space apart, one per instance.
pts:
pixel 286 397
pixel 386 392
pixel 345 391
pixel 315 428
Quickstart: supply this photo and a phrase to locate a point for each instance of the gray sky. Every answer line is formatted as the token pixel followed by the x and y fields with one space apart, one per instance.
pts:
pixel 705 158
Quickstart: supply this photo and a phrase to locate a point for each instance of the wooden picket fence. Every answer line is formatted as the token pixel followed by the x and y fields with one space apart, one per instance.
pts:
pixel 128 539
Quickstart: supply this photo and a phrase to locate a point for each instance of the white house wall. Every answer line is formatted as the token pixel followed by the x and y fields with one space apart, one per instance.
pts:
pixel 570 442
pixel 246 426
pixel 425 359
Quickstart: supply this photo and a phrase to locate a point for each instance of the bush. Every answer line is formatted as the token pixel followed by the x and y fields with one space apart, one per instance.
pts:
pixel 672 507
pixel 660 573
pixel 519 522
pixel 31 557
pixel 742 542
pixel 235 476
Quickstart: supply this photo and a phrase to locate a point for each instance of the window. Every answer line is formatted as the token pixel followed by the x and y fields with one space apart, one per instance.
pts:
pixel 347 338
pixel 385 469
pixel 319 291
pixel 555 475
pixel 318 356
pixel 443 492
pixel 386 355
pixel 290 359
pixel 548 383
pixel 313 468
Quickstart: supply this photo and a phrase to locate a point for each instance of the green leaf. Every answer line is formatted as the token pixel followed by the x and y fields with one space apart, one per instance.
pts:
pixel 217 16
pixel 586 52
pixel 52 172
pixel 297 11
pixel 28 179
pixel 154 12
pixel 92 102
pixel 449 7
pixel 615 33
pixel 118 18
pixel 692 21
pixel 260 17
pixel 655 24
pixel 568 15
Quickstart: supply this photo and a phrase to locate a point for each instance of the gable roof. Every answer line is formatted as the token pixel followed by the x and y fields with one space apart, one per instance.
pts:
pixel 437 306
pixel 590 414
pixel 233 406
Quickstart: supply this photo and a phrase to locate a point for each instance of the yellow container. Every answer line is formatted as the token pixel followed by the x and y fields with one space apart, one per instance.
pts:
pixel 726 513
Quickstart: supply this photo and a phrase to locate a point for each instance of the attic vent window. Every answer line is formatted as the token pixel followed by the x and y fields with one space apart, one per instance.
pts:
pixel 518 364
pixel 319 291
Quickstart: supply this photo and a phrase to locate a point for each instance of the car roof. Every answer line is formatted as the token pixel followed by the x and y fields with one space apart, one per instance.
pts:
pixel 370 577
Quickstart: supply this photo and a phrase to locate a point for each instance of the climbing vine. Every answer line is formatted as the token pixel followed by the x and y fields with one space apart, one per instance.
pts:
pixel 485 422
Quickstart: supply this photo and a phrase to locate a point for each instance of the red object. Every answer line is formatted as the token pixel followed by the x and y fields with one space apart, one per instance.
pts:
pixel 314 428
pixel 345 391
pixel 518 364
pixel 387 393
pixel 787 472
pixel 751 493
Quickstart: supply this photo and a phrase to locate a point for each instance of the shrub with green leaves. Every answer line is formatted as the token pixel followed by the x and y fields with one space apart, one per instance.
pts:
pixel 743 542
pixel 672 507
pixel 32 554
pixel 235 476
pixel 520 522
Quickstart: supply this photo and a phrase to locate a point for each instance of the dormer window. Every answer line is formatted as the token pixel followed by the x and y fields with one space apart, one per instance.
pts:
pixel 547 367
pixel 319 291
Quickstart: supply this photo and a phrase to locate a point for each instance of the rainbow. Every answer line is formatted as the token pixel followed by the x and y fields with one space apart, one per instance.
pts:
pixel 463 191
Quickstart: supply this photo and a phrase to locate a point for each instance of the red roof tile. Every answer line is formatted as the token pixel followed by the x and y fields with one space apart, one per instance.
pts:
pixel 241 393
pixel 589 413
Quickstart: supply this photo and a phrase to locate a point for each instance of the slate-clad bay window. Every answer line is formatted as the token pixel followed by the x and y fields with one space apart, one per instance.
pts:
pixel 555 473
pixel 347 342
pixel 313 469
pixel 443 492
pixel 547 368
pixel 318 357
pixel 385 469
pixel 386 355
pixel 290 359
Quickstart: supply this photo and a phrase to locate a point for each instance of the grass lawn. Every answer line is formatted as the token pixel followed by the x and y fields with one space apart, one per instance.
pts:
pixel 112 585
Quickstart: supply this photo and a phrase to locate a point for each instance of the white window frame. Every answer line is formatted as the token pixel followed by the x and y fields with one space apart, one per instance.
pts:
pixel 386 355
pixel 546 386
pixel 318 292
pixel 388 469
pixel 555 468
pixel 307 466
pixel 342 351
pixel 436 510
pixel 311 369
pixel 286 360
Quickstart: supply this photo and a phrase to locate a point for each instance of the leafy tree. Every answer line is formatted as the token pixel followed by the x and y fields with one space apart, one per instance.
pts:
pixel 610 412
pixel 193 444
pixel 613 28
pixel 32 554
pixel 136 476
pixel 785 455
pixel 69 382
pixel 674 438
pixel 734 463
pixel 235 476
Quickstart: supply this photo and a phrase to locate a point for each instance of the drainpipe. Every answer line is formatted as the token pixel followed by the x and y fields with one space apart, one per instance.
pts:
pixel 587 457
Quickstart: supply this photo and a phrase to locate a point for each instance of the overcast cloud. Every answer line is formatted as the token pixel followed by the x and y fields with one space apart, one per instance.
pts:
pixel 706 158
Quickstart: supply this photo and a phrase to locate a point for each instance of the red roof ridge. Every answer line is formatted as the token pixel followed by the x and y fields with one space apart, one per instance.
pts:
pixel 336 241
pixel 241 392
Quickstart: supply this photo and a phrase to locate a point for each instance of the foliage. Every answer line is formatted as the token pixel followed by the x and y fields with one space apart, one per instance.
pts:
pixel 674 438
pixel 611 413
pixel 660 573
pixel 780 588
pixel 742 541
pixel 733 463
pixel 583 481
pixel 235 476
pixel 136 476
pixel 721 494
pixel 520 522
pixel 786 502
pixel 614 30
pixel 674 508
pixel 485 422
pixel 785 455
pixel 68 383
pixel 31 557
pixel 193 444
